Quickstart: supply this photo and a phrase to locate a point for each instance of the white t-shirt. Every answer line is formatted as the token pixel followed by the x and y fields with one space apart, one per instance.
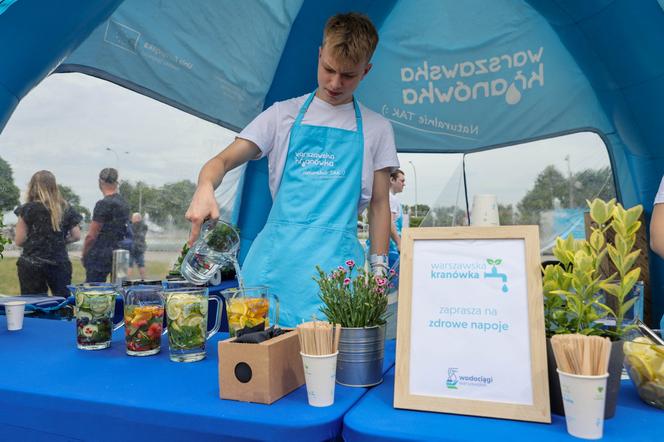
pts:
pixel 659 198
pixel 270 131
pixel 395 205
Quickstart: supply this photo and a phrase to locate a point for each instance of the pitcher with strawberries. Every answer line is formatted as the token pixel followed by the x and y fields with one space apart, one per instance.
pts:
pixel 144 318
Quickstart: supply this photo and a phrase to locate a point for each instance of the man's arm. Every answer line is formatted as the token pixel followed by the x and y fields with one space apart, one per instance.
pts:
pixel 203 204
pixel 91 237
pixel 657 230
pixel 379 213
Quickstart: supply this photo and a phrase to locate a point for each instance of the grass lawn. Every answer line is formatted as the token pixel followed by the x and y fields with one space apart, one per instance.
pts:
pixel 9 279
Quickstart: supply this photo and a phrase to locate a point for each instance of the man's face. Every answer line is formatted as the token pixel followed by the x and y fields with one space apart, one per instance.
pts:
pixel 338 79
pixel 398 184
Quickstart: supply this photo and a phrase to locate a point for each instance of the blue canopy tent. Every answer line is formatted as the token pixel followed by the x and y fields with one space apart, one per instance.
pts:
pixel 452 76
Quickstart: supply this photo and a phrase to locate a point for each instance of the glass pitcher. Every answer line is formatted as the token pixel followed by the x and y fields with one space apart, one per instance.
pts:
pixel 187 318
pixel 217 244
pixel 250 306
pixel 95 304
pixel 143 317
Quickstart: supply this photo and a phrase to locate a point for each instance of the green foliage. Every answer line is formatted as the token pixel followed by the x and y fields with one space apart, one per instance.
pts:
pixel 74 201
pixel 573 291
pixel 3 240
pixel 415 221
pixel 551 184
pixel 166 203
pixel 175 271
pixel 9 193
pixel 352 297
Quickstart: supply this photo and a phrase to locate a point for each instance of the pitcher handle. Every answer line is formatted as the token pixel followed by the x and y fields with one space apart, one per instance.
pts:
pixel 217 320
pixel 276 309
pixel 121 323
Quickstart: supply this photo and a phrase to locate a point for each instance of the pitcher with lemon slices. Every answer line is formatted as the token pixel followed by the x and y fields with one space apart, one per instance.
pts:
pixel 187 318
pixel 249 307
pixel 95 304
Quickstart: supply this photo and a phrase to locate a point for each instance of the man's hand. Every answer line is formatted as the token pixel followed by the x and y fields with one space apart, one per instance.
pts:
pixel 203 206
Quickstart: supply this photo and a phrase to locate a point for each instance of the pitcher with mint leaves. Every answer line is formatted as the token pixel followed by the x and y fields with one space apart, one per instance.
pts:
pixel 187 319
pixel 217 245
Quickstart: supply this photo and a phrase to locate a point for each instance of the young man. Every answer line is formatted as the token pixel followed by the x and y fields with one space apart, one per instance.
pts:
pixel 329 157
pixel 397 183
pixel 109 226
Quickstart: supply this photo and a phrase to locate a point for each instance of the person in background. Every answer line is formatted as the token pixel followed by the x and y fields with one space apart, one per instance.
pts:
pixel 329 157
pixel 137 252
pixel 397 183
pixel 110 218
pixel 46 224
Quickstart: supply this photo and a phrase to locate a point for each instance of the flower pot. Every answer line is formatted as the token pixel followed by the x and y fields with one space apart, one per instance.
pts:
pixel 361 353
pixel 612 384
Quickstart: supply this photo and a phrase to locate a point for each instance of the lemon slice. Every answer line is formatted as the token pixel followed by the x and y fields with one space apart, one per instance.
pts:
pixel 237 308
pixel 100 304
pixel 193 321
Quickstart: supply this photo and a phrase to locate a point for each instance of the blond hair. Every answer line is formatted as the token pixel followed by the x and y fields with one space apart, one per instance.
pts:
pixel 351 37
pixel 44 189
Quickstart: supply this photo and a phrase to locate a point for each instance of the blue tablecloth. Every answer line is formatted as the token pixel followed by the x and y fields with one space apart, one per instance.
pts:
pixel 373 418
pixel 50 390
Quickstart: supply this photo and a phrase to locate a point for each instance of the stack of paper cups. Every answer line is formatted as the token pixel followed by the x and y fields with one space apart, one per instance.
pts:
pixel 14 311
pixel 583 400
pixel 484 211
pixel 319 375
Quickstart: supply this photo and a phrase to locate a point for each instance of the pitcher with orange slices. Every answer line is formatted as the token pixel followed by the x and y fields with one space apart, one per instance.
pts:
pixel 249 307
pixel 144 318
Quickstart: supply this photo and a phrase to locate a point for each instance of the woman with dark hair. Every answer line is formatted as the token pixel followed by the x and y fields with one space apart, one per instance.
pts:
pixel 46 223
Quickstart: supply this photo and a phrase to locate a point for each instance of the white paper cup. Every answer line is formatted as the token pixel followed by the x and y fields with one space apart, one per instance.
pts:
pixel 14 311
pixel 319 374
pixel 484 211
pixel 583 400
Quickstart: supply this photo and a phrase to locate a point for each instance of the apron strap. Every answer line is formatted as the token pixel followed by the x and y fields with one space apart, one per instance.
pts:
pixel 305 106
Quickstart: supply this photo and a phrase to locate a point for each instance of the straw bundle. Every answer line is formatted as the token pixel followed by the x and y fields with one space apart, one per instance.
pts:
pixel 319 337
pixel 582 355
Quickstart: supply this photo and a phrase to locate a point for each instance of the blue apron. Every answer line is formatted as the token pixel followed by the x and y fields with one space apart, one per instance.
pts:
pixel 313 220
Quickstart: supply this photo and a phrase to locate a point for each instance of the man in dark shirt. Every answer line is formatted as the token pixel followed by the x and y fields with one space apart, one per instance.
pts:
pixel 137 253
pixel 109 226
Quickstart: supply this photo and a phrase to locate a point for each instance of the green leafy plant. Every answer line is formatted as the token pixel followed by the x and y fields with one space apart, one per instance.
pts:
pixel 223 237
pixel 3 240
pixel 574 290
pixel 353 297
pixel 175 271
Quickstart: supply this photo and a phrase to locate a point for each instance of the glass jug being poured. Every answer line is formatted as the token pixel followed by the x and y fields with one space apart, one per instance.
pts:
pixel 217 245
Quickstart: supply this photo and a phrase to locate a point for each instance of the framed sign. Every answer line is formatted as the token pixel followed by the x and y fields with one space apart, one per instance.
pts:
pixel 470 333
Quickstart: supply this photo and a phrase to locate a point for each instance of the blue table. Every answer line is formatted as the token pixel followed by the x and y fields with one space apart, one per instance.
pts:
pixel 373 418
pixel 50 390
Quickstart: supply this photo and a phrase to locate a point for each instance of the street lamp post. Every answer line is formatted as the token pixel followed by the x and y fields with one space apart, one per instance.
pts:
pixel 117 157
pixel 415 184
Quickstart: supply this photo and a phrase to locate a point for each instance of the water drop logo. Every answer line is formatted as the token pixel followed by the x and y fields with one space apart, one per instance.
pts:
pixel 494 263
pixel 512 96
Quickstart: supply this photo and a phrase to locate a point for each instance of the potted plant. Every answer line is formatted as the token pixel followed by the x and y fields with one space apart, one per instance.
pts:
pixel 357 300
pixel 575 289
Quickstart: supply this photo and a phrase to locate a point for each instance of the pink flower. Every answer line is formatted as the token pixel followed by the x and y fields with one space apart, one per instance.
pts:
pixel 350 263
pixel 346 281
pixel 393 272
pixel 380 290
pixel 380 281
pixel 341 269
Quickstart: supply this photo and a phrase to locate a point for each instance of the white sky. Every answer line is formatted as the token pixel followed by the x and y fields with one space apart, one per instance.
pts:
pixel 66 123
